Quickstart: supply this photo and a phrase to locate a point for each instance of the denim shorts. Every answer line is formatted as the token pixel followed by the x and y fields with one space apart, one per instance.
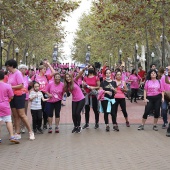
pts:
pixel 18 102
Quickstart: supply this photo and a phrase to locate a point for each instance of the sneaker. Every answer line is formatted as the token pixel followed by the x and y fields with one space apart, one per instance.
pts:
pixel 17 136
pixel 22 130
pixel 40 131
pixel 141 127
pixel 44 127
pixel 35 131
pixel 78 129
pixel 155 128
pixel 107 128
pixel 127 124
pixel 32 137
pixel 116 128
pixel 168 132
pixel 74 130
pixel 164 126
pixel 14 140
pixel 86 126
pixel 96 126
pixel 50 130
pixel 56 130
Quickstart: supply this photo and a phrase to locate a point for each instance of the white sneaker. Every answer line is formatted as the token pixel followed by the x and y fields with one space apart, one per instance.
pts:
pixel 23 130
pixel 32 137
pixel 17 136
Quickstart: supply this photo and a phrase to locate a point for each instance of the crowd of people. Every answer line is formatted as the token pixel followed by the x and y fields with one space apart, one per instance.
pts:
pixel 102 89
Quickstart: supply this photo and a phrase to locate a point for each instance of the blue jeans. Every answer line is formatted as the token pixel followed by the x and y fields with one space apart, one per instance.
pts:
pixel 164 111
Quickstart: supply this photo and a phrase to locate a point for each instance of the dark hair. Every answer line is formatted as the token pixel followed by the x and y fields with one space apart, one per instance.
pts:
pixel 93 68
pixel 149 74
pixel 117 70
pixel 2 74
pixel 152 65
pixel 116 73
pixel 35 82
pixel 133 70
pixel 11 63
pixel 106 71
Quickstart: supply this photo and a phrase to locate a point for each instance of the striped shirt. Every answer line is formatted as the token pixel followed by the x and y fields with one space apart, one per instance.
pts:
pixel 36 102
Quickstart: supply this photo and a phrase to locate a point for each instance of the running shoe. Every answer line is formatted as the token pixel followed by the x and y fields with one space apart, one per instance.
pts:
pixel 50 130
pixel 74 130
pixel 44 127
pixel 116 128
pixel 155 128
pixel 107 128
pixel 168 132
pixel 22 130
pixel 40 131
pixel 127 124
pixel 32 137
pixel 96 126
pixel 164 126
pixel 141 127
pixel 78 129
pixel 17 136
pixel 86 126
pixel 14 140
pixel 56 130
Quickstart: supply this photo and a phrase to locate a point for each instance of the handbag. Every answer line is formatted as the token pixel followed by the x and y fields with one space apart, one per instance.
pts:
pixel 167 96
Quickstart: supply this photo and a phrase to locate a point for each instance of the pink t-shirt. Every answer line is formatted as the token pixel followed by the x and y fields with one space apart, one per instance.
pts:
pixel 135 83
pixel 91 81
pixel 77 94
pixel 153 88
pixel 26 82
pixel 56 91
pixel 5 94
pixel 42 80
pixel 119 94
pixel 15 78
pixel 165 86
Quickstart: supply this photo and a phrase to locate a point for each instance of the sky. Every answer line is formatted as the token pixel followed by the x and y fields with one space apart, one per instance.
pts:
pixel 71 26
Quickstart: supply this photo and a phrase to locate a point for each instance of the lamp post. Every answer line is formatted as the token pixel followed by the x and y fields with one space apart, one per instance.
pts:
pixel 16 52
pixel 2 44
pixel 26 55
pixel 33 59
pixel 20 61
pixel 120 57
pixel 162 39
pixel 88 54
pixel 152 55
pixel 136 55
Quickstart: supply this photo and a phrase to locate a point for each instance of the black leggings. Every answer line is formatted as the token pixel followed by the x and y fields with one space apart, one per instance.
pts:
pixel 76 111
pixel 95 109
pixel 54 106
pixel 36 119
pixel 45 115
pixel 104 105
pixel 134 93
pixel 154 103
pixel 122 103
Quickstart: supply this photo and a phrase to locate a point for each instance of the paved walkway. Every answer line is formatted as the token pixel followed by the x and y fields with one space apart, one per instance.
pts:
pixel 92 149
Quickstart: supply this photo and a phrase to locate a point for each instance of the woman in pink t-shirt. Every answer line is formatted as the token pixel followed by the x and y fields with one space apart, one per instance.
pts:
pixel 17 104
pixel 55 92
pixel 91 83
pixel 135 80
pixel 120 96
pixel 153 96
pixel 23 69
pixel 78 99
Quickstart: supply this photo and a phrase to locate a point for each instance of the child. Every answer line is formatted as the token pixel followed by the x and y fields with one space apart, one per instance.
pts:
pixel 36 108
pixel 6 94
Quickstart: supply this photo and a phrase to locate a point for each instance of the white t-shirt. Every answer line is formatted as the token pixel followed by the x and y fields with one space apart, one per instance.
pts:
pixel 36 103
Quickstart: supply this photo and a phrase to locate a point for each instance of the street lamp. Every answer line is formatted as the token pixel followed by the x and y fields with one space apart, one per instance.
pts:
pixel 2 45
pixel 136 57
pixel 152 55
pixel 88 54
pixel 16 52
pixel 162 39
pixel 33 59
pixel 20 61
pixel 26 55
pixel 120 56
